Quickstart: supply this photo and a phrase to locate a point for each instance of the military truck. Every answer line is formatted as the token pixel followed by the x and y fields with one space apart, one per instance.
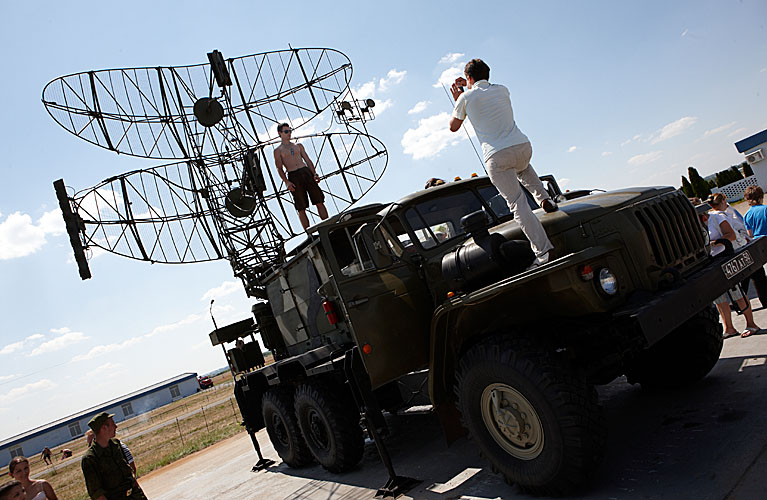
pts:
pixel 430 300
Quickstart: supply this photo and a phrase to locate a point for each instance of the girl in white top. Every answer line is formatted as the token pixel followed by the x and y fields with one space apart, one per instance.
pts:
pixel 35 489
pixel 719 205
pixel 719 228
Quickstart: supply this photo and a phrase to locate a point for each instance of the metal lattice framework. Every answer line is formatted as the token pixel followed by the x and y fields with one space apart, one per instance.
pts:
pixel 222 200
pixel 149 112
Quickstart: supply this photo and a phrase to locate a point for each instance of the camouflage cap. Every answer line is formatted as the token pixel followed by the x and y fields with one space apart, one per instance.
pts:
pixel 96 422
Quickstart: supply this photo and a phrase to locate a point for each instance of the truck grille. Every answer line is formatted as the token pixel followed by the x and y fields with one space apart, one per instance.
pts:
pixel 673 229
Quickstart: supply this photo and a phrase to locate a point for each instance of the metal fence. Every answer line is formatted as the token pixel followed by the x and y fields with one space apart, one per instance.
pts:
pixel 734 191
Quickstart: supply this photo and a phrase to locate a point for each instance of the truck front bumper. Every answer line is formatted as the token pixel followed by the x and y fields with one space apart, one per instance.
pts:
pixel 656 315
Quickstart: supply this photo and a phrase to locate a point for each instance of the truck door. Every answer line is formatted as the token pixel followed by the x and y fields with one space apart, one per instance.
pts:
pixel 386 303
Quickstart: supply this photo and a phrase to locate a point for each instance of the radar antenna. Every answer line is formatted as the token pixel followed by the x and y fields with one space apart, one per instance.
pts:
pixel 221 199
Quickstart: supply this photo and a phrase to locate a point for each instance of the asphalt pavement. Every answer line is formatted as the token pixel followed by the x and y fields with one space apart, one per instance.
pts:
pixel 704 442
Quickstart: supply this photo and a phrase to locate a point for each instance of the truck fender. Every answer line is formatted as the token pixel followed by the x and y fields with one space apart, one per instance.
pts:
pixel 460 322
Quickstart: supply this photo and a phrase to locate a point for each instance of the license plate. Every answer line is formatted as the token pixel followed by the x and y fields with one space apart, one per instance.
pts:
pixel 737 264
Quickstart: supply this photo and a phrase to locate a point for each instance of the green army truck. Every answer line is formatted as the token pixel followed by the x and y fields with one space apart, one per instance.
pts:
pixel 429 300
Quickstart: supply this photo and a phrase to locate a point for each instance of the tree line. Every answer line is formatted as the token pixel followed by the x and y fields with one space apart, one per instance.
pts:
pixel 698 187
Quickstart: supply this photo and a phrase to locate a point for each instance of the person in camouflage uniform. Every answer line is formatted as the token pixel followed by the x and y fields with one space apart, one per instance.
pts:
pixel 107 473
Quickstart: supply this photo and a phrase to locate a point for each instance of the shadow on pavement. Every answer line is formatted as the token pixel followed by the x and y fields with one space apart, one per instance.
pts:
pixel 695 442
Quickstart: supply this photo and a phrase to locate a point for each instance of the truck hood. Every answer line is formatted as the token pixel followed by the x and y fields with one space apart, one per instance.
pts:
pixel 581 210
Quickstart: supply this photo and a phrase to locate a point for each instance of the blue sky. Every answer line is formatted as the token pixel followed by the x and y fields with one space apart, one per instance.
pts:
pixel 611 94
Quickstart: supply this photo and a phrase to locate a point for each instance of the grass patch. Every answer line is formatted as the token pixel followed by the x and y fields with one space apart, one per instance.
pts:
pixel 199 443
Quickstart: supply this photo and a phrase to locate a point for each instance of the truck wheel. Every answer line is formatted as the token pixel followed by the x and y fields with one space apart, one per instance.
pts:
pixel 684 356
pixel 283 429
pixel 537 423
pixel 330 427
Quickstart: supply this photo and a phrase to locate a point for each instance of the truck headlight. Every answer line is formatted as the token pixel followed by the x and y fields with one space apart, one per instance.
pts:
pixel 608 281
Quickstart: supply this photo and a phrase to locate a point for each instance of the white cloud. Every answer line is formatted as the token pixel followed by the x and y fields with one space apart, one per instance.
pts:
pixel 19 392
pixel 645 158
pixel 431 137
pixel 571 149
pixel 64 339
pixel 450 58
pixel 103 371
pixel 419 107
pixel 382 106
pixel 4 378
pixel 673 129
pixel 11 348
pixel 192 318
pixel 628 141
pixel 763 70
pixel 449 75
pixel 393 77
pixel 17 346
pixel 606 153
pixel 736 132
pixel 20 237
pixel 52 222
pixel 366 90
pixel 224 289
pixel 563 182
pixel 713 131
pixel 108 348
pixel 103 349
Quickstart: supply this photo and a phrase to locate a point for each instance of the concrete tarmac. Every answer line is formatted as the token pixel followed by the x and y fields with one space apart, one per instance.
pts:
pixel 704 442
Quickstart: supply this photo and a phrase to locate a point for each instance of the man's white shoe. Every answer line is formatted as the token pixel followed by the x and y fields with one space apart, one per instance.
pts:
pixel 539 261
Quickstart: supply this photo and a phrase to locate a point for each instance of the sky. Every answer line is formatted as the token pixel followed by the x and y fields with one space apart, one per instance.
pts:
pixel 611 95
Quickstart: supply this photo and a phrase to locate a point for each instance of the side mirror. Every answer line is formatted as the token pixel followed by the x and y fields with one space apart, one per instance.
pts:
pixel 371 245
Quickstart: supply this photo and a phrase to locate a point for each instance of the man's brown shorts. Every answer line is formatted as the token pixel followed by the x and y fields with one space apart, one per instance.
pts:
pixel 306 188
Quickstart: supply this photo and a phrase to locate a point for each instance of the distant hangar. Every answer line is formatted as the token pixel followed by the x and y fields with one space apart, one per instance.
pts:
pixel 61 431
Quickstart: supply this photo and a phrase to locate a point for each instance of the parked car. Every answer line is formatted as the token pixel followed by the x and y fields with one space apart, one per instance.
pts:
pixel 204 382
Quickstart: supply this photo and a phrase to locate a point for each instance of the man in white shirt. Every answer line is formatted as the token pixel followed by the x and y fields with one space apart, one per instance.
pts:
pixel 506 150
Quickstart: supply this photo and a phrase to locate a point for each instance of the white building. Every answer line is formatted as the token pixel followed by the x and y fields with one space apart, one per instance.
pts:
pixel 32 442
pixel 755 149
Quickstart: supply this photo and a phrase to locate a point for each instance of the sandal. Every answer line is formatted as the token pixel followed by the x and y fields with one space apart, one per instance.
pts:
pixel 748 332
pixel 726 336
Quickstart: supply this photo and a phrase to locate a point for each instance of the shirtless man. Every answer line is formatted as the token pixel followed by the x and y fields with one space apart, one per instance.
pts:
pixel 301 179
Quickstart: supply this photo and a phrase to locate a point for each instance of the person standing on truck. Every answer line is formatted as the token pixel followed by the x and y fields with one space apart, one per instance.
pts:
pixel 506 150
pixel 302 180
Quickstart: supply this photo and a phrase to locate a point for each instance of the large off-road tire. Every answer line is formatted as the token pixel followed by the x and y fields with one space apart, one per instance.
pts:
pixel 684 356
pixel 536 421
pixel 330 426
pixel 282 427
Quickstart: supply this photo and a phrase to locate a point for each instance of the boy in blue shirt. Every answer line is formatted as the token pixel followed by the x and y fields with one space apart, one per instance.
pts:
pixel 756 217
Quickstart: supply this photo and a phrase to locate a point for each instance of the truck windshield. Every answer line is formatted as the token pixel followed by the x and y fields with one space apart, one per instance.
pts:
pixel 497 203
pixel 439 220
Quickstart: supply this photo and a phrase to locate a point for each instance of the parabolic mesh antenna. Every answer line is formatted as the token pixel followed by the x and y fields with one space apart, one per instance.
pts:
pixel 221 199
